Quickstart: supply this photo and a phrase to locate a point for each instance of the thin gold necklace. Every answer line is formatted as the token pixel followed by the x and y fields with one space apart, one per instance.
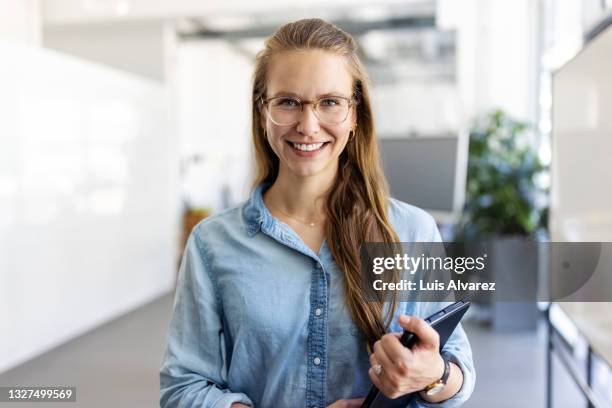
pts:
pixel 309 223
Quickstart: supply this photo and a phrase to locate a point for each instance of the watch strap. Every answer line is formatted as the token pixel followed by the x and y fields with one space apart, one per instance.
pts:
pixel 446 373
pixel 438 385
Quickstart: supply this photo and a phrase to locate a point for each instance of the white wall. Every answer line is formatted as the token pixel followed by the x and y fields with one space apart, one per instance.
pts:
pixel 581 198
pixel 428 108
pixel 71 11
pixel 20 21
pixel 135 46
pixel 88 198
pixel 213 114
pixel 497 61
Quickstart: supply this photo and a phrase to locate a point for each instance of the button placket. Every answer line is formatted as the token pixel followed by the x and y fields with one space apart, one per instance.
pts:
pixel 317 338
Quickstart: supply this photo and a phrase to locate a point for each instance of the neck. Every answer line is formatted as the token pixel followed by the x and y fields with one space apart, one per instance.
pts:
pixel 302 197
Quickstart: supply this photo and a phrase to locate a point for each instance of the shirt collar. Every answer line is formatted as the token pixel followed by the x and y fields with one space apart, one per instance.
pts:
pixel 257 218
pixel 255 213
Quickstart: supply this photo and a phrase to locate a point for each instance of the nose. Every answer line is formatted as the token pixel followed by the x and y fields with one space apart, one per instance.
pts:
pixel 309 123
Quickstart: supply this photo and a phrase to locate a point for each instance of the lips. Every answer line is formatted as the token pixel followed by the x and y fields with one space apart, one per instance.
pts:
pixel 307 149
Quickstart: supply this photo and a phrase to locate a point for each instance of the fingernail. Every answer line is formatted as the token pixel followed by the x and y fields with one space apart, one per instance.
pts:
pixel 404 319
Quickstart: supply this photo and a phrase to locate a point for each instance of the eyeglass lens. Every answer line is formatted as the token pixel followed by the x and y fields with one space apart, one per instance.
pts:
pixel 287 110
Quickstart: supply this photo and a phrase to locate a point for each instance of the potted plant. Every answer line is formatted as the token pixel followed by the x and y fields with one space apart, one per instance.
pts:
pixel 505 210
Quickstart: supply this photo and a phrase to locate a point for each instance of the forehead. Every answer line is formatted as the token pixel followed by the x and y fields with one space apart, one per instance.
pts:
pixel 309 74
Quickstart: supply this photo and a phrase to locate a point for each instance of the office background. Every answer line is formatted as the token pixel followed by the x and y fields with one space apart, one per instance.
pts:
pixel 125 121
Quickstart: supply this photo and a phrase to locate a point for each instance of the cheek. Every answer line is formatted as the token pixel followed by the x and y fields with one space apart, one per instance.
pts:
pixel 272 134
pixel 274 137
pixel 342 134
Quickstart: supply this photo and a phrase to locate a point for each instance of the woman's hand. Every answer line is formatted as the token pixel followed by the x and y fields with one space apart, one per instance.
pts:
pixel 344 403
pixel 347 403
pixel 405 370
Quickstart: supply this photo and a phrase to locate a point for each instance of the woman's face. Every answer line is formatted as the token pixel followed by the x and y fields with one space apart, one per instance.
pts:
pixel 309 147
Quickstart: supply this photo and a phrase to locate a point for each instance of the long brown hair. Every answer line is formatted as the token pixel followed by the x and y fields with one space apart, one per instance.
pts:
pixel 357 202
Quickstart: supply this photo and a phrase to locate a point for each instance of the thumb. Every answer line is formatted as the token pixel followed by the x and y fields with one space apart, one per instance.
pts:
pixel 428 336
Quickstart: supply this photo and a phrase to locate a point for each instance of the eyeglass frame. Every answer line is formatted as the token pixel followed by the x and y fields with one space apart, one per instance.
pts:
pixel 352 101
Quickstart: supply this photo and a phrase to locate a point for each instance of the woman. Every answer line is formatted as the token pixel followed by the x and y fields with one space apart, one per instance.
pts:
pixel 268 310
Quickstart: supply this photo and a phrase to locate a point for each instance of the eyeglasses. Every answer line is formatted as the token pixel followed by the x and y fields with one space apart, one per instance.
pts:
pixel 287 110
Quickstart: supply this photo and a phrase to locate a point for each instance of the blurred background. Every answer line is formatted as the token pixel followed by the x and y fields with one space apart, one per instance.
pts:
pixel 125 122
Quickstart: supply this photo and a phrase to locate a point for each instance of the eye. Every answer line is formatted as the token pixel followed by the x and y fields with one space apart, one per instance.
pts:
pixel 287 102
pixel 330 102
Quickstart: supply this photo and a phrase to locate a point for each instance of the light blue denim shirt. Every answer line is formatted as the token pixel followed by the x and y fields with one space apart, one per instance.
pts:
pixel 259 318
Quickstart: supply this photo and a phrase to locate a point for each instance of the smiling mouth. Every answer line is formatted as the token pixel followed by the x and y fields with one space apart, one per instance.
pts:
pixel 307 147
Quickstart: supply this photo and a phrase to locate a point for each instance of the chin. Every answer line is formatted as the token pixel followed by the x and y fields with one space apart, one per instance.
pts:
pixel 307 171
pixel 304 167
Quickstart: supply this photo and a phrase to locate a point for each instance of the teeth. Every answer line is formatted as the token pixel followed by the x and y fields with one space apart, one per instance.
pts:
pixel 307 147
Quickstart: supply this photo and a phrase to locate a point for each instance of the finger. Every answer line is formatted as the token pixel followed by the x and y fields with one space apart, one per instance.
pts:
pixel 373 360
pixel 428 336
pixel 394 350
pixel 376 381
pixel 381 356
pixel 381 384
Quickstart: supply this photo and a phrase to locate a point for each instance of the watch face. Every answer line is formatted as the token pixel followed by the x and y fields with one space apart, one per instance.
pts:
pixel 436 388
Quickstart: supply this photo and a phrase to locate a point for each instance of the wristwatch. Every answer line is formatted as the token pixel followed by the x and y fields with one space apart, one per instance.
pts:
pixel 436 387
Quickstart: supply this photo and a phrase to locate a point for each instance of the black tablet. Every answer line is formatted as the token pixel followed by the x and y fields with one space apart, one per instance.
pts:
pixel 444 322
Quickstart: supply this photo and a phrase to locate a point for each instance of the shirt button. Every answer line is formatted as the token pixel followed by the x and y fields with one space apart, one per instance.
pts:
pixel 318 312
pixel 316 361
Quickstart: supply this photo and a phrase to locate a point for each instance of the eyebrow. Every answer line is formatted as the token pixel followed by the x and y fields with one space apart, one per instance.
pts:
pixel 293 94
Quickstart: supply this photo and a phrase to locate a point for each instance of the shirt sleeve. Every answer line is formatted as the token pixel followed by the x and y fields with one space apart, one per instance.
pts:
pixel 457 349
pixel 194 368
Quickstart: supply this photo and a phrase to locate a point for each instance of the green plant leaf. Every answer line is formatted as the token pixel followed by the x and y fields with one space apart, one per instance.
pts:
pixel 500 190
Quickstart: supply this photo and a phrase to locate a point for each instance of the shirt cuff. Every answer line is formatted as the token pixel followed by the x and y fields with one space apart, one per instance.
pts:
pixel 227 399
